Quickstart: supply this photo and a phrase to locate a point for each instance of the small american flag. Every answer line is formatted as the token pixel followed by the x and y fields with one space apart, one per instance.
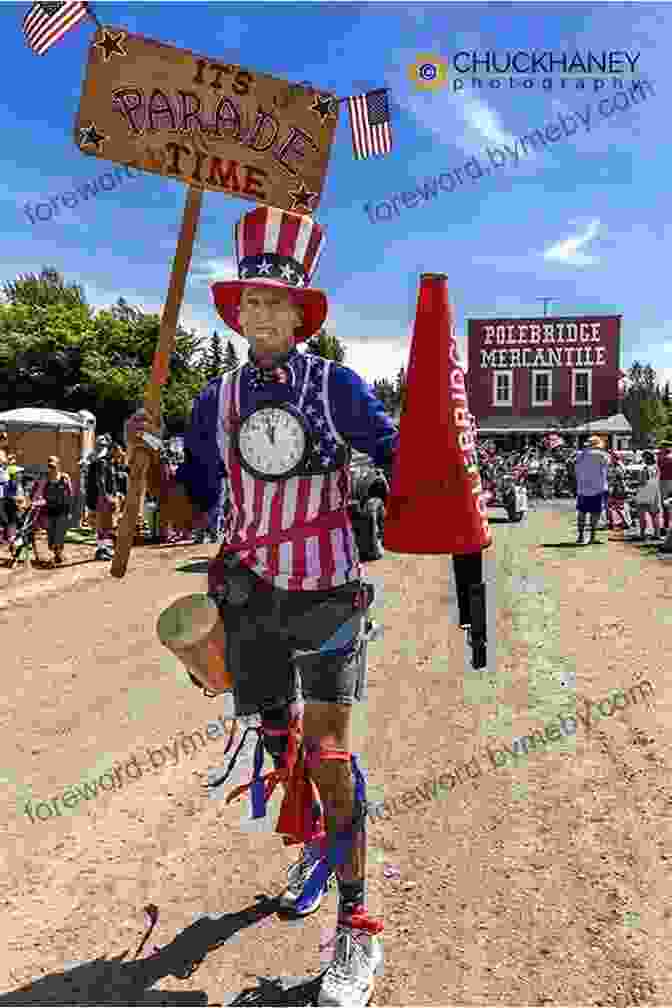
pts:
pixel 46 23
pixel 370 123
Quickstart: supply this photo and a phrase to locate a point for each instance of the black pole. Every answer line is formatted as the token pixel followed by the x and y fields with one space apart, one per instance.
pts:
pixel 470 589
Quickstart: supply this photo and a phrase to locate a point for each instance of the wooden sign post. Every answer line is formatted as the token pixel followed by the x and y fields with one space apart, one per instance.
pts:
pixel 160 368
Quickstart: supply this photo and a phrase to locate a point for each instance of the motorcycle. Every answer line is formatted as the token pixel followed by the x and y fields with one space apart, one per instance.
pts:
pixel 506 490
pixel 562 486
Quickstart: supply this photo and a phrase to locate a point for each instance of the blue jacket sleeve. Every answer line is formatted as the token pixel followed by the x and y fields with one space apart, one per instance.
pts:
pixel 201 473
pixel 360 417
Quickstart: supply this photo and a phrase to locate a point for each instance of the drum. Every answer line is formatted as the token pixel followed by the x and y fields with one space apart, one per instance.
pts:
pixel 191 628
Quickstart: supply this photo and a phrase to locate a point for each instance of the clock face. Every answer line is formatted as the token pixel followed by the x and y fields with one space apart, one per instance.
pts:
pixel 272 441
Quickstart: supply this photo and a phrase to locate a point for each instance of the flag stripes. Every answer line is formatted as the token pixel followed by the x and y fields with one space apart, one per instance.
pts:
pixel 370 124
pixel 46 23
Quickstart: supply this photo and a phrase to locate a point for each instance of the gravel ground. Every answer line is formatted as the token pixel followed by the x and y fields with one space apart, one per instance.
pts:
pixel 538 878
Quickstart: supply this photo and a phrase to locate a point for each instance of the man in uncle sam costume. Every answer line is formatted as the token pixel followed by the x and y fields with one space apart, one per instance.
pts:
pixel 287 579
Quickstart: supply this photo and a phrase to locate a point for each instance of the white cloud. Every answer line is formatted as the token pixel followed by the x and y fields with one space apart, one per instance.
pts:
pixel 208 271
pixel 569 249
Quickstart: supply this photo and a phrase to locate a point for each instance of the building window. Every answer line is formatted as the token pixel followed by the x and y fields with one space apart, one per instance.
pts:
pixel 502 388
pixel 582 387
pixel 542 389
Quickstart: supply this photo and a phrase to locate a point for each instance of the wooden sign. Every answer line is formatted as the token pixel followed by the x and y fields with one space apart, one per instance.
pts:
pixel 211 125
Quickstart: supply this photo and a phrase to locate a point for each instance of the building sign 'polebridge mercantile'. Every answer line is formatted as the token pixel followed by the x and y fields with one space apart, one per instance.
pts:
pixel 212 125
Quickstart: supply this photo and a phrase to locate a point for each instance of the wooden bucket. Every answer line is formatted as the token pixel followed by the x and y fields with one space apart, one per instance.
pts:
pixel 192 629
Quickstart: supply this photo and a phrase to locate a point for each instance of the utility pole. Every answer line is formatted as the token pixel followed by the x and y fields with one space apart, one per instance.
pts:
pixel 547 301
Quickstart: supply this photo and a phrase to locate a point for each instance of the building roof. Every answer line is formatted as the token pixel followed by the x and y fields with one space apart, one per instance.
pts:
pixel 518 424
pixel 618 424
pixel 31 416
pixel 507 424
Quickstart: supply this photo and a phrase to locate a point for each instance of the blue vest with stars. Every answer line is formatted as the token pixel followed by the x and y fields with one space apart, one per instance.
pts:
pixel 310 388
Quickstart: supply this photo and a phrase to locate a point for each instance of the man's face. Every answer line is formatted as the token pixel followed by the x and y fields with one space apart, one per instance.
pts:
pixel 268 320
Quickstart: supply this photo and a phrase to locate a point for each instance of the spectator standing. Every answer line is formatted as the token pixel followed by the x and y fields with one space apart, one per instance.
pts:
pixel 665 471
pixel 617 503
pixel 13 491
pixel 120 475
pixel 591 484
pixel 59 496
pixel 648 497
pixel 56 492
pixel 101 499
pixel 4 483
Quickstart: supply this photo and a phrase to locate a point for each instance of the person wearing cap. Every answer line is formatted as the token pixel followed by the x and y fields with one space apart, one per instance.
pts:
pixel 279 430
pixel 591 468
pixel 51 497
pixel 101 496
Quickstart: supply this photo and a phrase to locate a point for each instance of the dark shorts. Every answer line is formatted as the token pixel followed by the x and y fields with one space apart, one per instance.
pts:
pixel 591 504
pixel 265 632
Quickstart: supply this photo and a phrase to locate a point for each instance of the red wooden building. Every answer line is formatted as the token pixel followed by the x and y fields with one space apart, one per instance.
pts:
pixel 534 376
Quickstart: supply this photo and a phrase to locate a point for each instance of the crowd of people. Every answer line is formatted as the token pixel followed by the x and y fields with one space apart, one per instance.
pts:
pixel 610 493
pixel 46 504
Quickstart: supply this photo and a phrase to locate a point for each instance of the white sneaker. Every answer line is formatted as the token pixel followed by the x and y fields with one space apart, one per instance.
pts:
pixel 297 876
pixel 349 980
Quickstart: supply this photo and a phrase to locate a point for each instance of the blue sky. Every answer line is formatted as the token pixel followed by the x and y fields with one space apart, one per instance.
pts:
pixel 584 220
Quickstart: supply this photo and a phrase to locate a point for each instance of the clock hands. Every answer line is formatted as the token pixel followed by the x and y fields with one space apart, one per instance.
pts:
pixel 270 430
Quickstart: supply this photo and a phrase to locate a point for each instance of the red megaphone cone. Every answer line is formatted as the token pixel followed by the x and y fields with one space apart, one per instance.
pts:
pixel 436 502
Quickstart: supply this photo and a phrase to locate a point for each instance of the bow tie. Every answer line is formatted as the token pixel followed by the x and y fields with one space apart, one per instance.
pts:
pixel 262 375
pixel 259 376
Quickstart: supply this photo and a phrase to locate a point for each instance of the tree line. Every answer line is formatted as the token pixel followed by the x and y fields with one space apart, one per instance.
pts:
pixel 56 352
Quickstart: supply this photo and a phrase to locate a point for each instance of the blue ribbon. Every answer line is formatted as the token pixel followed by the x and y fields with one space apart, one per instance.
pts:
pixel 338 849
pixel 257 787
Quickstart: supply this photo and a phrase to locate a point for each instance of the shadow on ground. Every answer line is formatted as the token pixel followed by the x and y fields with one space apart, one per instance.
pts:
pixel 114 982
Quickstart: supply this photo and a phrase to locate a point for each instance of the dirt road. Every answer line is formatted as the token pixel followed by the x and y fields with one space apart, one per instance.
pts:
pixel 518 869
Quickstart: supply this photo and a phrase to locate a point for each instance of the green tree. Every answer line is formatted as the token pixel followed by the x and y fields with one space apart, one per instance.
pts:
pixel 214 358
pixel 60 356
pixel 49 288
pixel 325 345
pixel 652 419
pixel 231 360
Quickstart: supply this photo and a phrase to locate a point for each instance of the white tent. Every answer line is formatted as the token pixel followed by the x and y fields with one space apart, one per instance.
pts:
pixel 51 419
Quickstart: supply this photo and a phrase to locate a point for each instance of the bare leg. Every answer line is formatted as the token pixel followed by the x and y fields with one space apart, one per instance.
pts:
pixel 330 725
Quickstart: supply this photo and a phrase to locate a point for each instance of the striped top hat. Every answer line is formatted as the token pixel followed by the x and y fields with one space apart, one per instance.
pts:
pixel 276 248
